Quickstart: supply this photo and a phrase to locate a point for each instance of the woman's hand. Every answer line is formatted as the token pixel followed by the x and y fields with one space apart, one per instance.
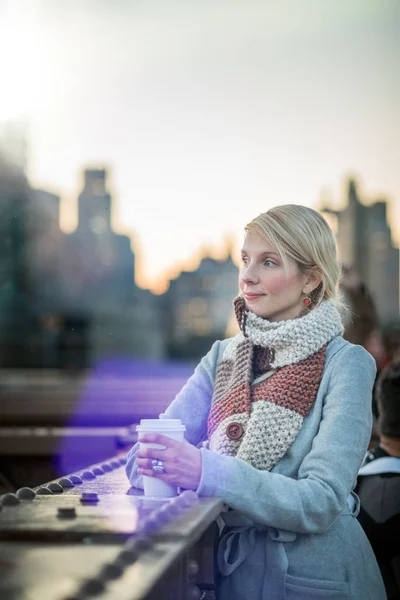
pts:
pixel 181 461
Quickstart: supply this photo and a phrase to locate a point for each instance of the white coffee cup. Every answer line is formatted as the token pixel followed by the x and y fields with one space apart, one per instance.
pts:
pixel 171 428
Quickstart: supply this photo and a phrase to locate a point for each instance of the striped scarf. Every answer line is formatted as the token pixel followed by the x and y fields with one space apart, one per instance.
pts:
pixel 267 381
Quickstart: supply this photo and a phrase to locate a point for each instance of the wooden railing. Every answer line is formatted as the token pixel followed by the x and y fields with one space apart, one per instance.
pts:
pixel 90 535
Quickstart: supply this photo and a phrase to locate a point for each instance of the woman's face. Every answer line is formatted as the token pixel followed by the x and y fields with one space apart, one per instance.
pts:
pixel 269 290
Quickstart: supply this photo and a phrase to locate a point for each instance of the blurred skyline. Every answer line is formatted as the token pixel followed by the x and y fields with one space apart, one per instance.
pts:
pixel 206 113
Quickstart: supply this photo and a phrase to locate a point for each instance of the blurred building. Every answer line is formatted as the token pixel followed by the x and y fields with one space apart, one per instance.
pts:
pixel 134 330
pixel 70 300
pixel 98 265
pixel 98 270
pixel 365 241
pixel 13 143
pixel 198 304
pixel 45 255
pixel 16 304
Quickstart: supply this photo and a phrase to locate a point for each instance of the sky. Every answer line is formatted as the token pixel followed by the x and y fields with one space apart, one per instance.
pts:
pixel 206 113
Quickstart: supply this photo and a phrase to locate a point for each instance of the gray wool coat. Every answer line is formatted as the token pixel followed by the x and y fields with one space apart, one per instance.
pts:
pixel 291 533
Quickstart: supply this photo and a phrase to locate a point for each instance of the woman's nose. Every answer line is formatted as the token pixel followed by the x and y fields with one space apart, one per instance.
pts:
pixel 249 274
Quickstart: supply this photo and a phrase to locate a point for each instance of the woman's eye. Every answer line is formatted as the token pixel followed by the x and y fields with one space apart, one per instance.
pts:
pixel 269 263
pixel 245 260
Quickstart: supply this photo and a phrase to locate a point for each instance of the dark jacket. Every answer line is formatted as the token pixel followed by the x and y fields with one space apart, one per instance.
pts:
pixel 380 518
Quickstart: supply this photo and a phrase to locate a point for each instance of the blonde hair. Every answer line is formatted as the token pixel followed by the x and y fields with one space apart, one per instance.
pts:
pixel 302 234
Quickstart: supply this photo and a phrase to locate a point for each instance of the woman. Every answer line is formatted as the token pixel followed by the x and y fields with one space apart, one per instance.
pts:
pixel 285 407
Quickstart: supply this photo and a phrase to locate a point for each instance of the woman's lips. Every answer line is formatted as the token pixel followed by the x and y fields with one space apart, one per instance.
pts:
pixel 253 296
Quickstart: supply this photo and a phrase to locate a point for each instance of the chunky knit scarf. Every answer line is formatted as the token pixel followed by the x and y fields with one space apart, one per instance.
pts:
pixel 267 381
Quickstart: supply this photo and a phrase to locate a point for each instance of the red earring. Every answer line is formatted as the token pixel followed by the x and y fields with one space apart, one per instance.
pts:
pixel 307 301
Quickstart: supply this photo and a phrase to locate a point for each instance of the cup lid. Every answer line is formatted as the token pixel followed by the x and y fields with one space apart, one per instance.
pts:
pixel 161 425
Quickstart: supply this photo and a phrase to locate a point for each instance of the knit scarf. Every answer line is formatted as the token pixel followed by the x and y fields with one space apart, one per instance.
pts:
pixel 267 381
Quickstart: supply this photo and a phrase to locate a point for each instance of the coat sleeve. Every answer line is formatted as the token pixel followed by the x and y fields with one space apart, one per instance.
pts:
pixel 191 406
pixel 310 503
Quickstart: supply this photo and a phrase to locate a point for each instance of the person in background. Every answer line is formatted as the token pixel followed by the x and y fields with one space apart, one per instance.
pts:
pixel 378 483
pixel 375 345
pixel 282 412
pixel 362 319
pixel 361 326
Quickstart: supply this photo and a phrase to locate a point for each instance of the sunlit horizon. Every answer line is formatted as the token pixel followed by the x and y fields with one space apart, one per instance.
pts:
pixel 218 248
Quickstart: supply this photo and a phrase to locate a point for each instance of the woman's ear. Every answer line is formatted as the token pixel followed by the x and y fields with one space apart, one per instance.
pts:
pixel 312 281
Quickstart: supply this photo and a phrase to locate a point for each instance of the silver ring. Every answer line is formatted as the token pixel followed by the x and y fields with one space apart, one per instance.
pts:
pixel 157 466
